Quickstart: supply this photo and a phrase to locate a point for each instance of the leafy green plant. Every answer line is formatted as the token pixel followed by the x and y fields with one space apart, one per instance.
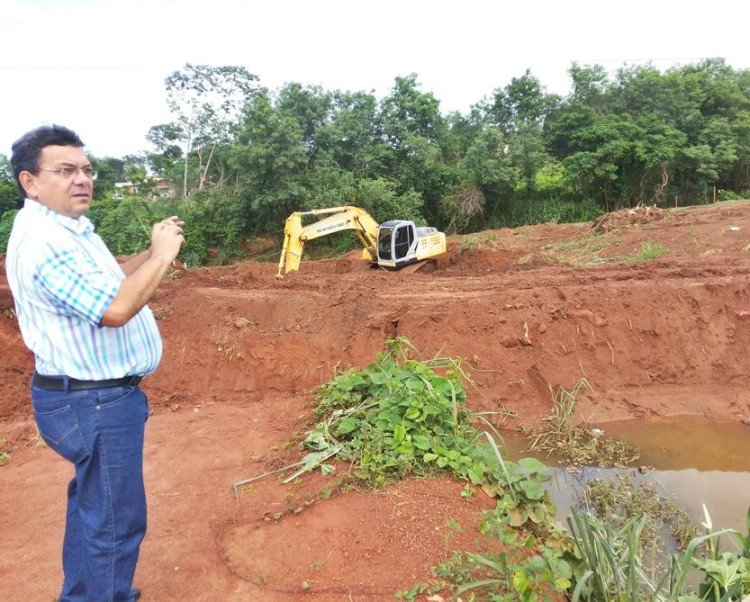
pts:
pixel 402 417
pixel 397 417
pixel 523 570
pixel 726 575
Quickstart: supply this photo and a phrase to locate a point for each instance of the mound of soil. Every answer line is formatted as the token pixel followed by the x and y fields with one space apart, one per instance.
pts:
pixel 243 352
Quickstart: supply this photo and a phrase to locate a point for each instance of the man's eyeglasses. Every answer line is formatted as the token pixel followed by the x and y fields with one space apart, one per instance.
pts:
pixel 69 172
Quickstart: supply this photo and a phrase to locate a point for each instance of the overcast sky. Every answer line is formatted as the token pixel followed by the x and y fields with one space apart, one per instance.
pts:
pixel 98 66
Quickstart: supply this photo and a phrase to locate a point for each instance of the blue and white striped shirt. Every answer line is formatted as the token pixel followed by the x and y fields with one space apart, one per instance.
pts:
pixel 63 279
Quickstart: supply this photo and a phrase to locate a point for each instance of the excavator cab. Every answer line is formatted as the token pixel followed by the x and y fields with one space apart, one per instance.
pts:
pixel 397 240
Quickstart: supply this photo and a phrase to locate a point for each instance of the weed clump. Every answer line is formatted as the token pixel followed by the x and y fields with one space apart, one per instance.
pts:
pixel 649 251
pixel 579 444
pixel 622 499
pixel 401 417
pixel 397 417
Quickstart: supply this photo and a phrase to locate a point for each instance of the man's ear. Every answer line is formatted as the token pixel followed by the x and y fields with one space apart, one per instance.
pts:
pixel 28 182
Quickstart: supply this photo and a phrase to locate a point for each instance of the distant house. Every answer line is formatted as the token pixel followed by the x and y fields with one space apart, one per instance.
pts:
pixel 123 188
pixel 162 189
pixel 155 188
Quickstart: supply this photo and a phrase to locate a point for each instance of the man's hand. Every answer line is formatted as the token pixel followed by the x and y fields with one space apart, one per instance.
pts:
pixel 173 220
pixel 140 283
pixel 167 238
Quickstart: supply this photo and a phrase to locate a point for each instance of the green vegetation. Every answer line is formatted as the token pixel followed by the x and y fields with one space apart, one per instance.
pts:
pixel 611 568
pixel 622 499
pixel 401 417
pixel 649 250
pixel 236 159
pixel 398 418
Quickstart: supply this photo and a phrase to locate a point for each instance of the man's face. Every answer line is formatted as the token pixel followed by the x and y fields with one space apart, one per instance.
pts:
pixel 69 195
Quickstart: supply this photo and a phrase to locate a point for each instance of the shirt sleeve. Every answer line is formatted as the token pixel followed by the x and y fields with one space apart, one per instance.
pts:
pixel 74 284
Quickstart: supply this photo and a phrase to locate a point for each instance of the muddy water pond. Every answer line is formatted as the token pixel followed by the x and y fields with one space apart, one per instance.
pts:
pixel 692 460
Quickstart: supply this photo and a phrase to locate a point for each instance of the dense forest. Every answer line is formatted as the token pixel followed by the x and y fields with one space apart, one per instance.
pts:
pixel 239 158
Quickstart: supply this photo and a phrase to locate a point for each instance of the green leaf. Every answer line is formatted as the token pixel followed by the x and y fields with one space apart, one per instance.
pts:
pixel 405 449
pixel 532 489
pixel 378 378
pixel 412 413
pixel 520 582
pixel 347 425
pixel 399 433
pixel 422 442
pixel 442 461
pixel 532 465
pixel 429 457
pixel 442 386
pixel 476 473
pixel 415 384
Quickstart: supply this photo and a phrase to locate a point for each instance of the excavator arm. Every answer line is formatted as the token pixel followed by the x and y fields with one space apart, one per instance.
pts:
pixel 338 219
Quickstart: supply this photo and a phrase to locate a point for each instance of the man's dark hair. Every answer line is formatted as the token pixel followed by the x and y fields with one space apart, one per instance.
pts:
pixel 28 148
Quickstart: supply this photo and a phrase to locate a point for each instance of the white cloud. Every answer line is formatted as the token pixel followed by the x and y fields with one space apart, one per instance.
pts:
pixel 98 66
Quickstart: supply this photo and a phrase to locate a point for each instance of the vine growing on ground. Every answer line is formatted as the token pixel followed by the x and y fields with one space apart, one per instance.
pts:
pixel 401 417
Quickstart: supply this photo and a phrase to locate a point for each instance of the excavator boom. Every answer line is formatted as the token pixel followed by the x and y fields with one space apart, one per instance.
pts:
pixel 338 219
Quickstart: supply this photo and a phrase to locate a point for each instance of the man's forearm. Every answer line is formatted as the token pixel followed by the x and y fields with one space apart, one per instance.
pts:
pixel 133 263
pixel 135 291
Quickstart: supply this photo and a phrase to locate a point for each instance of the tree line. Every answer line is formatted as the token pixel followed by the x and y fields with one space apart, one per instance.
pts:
pixel 240 157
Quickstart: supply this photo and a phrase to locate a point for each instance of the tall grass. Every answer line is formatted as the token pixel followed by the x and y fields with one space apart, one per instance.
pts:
pixel 611 570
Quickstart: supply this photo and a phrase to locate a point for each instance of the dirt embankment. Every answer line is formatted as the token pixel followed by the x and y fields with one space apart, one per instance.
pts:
pixel 524 309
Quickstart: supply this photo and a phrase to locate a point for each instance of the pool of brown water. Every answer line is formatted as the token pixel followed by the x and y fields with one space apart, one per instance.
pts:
pixel 693 460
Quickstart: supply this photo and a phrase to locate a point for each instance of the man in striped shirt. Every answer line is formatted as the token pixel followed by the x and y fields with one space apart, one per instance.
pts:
pixel 84 316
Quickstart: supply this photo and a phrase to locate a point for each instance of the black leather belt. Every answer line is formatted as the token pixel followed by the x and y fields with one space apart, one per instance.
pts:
pixel 57 383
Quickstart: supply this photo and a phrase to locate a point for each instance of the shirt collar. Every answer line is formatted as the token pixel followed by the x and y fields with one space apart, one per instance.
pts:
pixel 79 226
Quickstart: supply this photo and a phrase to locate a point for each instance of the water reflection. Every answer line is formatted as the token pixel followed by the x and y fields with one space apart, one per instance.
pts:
pixel 693 460
pixel 686 442
pixel 725 494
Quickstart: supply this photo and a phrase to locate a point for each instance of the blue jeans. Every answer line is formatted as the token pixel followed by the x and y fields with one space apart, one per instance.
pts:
pixel 100 431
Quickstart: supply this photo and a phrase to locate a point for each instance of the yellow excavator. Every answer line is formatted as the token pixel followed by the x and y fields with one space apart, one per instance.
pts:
pixel 392 244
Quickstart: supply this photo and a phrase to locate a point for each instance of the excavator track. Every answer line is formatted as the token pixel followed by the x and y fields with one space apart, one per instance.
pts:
pixel 422 267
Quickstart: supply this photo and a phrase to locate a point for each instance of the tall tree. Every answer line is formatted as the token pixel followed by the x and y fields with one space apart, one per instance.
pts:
pixel 206 101
pixel 415 135
pixel 519 110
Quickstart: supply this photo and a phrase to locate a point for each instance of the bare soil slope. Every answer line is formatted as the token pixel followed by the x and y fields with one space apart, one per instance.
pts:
pixel 525 309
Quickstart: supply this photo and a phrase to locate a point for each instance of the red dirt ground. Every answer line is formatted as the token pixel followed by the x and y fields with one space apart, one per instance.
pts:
pixel 525 309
